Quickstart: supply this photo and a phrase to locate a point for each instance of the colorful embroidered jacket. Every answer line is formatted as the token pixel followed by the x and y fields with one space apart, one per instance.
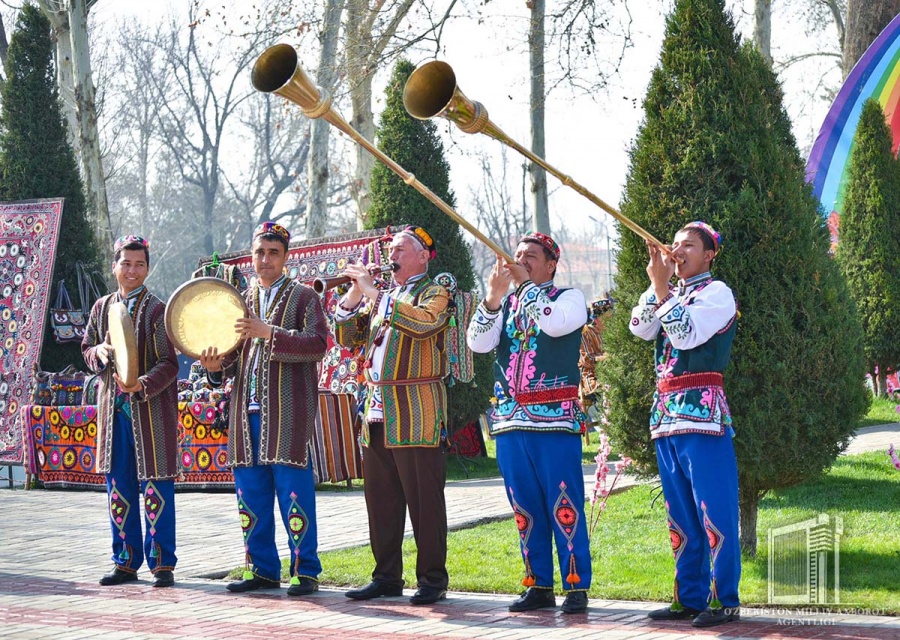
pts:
pixel 287 383
pixel 154 412
pixel 694 329
pixel 412 371
pixel 537 334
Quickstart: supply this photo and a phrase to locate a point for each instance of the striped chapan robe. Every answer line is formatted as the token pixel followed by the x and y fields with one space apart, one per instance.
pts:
pixel 288 389
pixel 414 412
pixel 154 413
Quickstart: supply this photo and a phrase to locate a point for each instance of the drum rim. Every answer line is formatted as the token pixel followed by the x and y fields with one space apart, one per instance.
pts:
pixel 217 283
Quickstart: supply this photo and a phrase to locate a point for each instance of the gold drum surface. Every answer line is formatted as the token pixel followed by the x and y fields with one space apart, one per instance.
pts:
pixel 124 343
pixel 201 313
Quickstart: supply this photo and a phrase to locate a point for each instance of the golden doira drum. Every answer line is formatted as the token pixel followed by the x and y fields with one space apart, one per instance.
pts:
pixel 124 343
pixel 201 313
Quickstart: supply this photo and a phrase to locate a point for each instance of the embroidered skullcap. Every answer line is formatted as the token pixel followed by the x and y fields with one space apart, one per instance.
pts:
pixel 273 228
pixel 124 241
pixel 422 237
pixel 707 230
pixel 544 240
pixel 601 306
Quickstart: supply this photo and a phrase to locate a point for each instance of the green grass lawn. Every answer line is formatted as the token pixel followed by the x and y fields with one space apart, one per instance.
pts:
pixel 882 411
pixel 632 558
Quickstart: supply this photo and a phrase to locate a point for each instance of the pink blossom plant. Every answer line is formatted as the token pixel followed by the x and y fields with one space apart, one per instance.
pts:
pixel 894 458
pixel 601 492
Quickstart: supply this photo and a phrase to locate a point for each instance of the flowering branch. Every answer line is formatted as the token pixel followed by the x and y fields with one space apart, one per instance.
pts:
pixel 894 458
pixel 601 491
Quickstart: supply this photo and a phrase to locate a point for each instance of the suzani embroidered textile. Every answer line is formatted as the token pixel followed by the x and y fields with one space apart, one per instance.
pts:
pixel 29 232
pixel 61 442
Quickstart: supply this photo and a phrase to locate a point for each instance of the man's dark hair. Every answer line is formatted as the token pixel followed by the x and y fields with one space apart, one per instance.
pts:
pixel 132 246
pixel 273 236
pixel 708 244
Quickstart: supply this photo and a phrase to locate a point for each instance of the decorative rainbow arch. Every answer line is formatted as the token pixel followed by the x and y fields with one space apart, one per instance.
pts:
pixel 876 75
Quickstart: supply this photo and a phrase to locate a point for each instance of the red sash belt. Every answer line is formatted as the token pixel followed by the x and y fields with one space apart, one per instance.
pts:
pixel 545 396
pixel 689 381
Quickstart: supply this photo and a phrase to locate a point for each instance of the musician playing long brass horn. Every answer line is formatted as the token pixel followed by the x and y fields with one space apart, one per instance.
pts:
pixel 535 330
pixel 137 424
pixel 274 401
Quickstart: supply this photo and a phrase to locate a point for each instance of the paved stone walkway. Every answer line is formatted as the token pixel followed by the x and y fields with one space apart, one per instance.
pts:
pixel 54 546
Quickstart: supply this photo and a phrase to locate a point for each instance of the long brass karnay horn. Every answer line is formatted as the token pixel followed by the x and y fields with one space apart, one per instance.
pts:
pixel 321 285
pixel 277 71
pixel 431 91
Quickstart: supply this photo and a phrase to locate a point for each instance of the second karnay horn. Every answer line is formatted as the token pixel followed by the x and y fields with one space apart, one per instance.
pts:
pixel 431 92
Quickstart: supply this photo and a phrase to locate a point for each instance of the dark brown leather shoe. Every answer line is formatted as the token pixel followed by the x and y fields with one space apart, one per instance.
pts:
pixel 252 584
pixel 673 613
pixel 118 576
pixel 428 595
pixel 532 599
pixel 163 578
pixel 305 587
pixel 375 590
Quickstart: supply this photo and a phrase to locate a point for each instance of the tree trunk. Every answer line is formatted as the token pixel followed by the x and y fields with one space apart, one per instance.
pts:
pixel 359 46
pixel 749 511
pixel 541 219
pixel 86 113
pixel 318 167
pixel 881 382
pixel 364 122
pixel 4 46
pixel 65 81
pixel 209 209
pixel 865 20
pixel 762 28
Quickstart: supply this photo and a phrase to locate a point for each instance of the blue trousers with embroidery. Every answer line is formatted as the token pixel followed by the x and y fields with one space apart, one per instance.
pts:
pixel 125 508
pixel 256 488
pixel 545 487
pixel 700 485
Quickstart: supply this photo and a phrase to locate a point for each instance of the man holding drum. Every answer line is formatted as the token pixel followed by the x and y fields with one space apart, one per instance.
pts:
pixel 272 415
pixel 403 332
pixel 137 424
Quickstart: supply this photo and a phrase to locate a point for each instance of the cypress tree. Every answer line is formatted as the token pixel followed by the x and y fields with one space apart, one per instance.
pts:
pixel 36 161
pixel 416 146
pixel 716 145
pixel 870 239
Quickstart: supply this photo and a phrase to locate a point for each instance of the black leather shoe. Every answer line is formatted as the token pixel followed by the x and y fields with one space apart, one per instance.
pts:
pixel 374 589
pixel 671 613
pixel 305 587
pixel 575 602
pixel 720 615
pixel 428 595
pixel 533 599
pixel 118 576
pixel 252 584
pixel 163 578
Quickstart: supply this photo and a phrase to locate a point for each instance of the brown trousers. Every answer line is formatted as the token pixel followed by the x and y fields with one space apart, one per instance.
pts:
pixel 398 478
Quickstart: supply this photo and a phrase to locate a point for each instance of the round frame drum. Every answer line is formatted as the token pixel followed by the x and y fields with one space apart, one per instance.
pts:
pixel 124 343
pixel 201 313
